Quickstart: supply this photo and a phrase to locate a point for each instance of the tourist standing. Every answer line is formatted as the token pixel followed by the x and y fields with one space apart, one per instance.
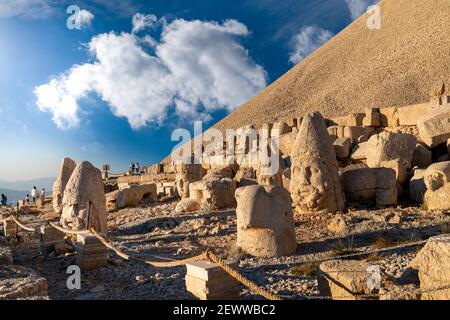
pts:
pixel 132 168
pixel 34 194
pixel 27 199
pixel 138 168
pixel 3 200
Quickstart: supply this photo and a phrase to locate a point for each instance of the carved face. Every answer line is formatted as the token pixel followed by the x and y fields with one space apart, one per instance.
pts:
pixel 310 184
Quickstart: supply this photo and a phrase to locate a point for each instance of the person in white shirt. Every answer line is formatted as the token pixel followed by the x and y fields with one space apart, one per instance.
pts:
pixel 34 194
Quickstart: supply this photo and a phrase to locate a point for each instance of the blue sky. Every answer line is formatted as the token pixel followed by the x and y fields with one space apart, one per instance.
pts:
pixel 109 95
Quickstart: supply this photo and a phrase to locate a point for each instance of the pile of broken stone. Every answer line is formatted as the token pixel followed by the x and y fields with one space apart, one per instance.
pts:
pixel 375 158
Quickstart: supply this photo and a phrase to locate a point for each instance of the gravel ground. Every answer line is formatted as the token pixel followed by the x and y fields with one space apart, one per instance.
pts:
pixel 157 232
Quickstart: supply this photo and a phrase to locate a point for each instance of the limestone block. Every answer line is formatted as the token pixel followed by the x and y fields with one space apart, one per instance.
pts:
pixel 433 264
pixel 359 152
pixel 408 115
pixel 91 253
pixel 9 228
pixel 131 196
pixel 352 119
pixel 84 202
pixel 436 178
pixel 280 128
pixel 344 279
pixel 207 281
pixel 21 283
pixel 265 222
pixel 342 147
pixel 357 134
pixel 337 131
pixel 422 157
pixel 286 142
pixel 372 118
pixel 188 205
pixel 417 186
pixel 389 117
pixel 65 172
pixel 434 126
pixel 214 193
pixel 391 150
pixel 49 237
pixel 370 184
pixel 315 184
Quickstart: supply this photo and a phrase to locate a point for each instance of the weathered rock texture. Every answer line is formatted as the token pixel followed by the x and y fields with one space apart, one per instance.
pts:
pixel 188 205
pixel 131 196
pixel 436 178
pixel 214 193
pixel 343 279
pixel 21 283
pixel 265 223
pixel 391 150
pixel 370 184
pixel 433 264
pixel 315 184
pixel 434 126
pixel 187 172
pixel 84 202
pixel 65 172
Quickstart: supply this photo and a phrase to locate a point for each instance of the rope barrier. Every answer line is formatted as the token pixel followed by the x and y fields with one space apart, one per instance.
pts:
pixel 208 255
pixel 22 225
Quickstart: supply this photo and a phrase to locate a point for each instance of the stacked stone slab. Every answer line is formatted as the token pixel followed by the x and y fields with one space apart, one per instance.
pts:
pixel 91 253
pixel 363 185
pixel 433 265
pixel 84 202
pixel 315 184
pixel 214 192
pixel 49 237
pixel 9 228
pixel 265 222
pixel 434 126
pixel 391 150
pixel 344 279
pixel 207 281
pixel 65 172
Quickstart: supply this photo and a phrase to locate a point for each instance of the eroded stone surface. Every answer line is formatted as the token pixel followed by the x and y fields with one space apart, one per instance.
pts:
pixel 84 202
pixel 315 184
pixel 65 172
pixel 265 221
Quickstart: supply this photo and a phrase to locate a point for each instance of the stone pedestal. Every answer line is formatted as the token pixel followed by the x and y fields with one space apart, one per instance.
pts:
pixel 207 281
pixel 9 228
pixel 49 237
pixel 91 253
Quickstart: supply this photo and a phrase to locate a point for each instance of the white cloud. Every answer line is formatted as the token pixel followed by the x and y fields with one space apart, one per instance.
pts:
pixel 83 18
pixel 306 41
pixel 26 8
pixel 141 22
pixel 197 67
pixel 358 7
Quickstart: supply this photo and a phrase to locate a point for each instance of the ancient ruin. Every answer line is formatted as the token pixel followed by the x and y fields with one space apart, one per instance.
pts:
pixel 84 202
pixel 315 184
pixel 65 172
pixel 265 224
